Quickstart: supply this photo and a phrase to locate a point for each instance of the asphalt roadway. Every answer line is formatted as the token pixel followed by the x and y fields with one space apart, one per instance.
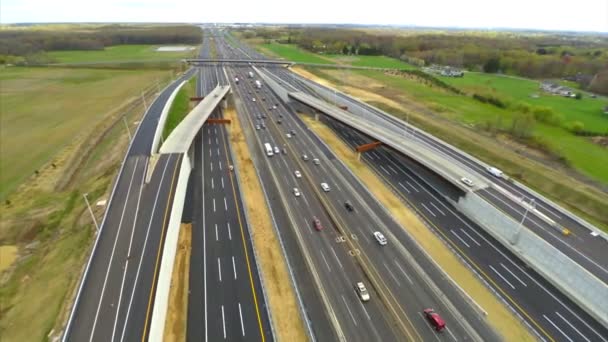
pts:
pixel 116 296
pixel 403 276
pixel 225 299
pixel 548 312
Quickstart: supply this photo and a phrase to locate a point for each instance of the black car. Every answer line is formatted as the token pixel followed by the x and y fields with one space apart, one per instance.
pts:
pixel 349 206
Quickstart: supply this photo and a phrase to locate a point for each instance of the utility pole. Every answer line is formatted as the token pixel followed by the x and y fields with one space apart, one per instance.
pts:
pixel 86 200
pixel 124 119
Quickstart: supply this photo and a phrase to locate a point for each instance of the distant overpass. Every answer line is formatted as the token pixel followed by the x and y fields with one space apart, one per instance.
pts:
pixel 426 156
pixel 201 61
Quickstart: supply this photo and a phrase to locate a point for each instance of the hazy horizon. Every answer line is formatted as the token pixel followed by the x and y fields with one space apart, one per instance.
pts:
pixel 540 15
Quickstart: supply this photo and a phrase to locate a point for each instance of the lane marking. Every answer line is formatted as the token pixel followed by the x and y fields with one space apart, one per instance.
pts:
pixel 413 187
pixel 214 204
pixel 233 267
pixel 225 204
pixel 501 276
pixel 348 308
pixel 217 238
pixel 242 324
pixel 223 322
pixel 141 257
pixel 326 263
pixel 105 281
pixel 219 269
pixel 205 241
pixel 404 188
pixel 427 209
pixel 220 165
pixel 222 182
pixel 229 231
pixel 558 329
pixel 439 210
pixel 392 274
pixel 459 238
pixel 514 276
pixel 212 184
pixel 470 237
pixel 572 326
pixel 160 246
pixel 218 151
pixel 126 267
pixel 395 171
pixel 211 166
pixel 336 256
pixel 385 170
pixel 365 311
pixel 403 271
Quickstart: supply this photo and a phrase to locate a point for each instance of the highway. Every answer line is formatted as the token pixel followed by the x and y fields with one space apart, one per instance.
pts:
pixel 551 315
pixel 548 312
pixel 225 298
pixel 116 294
pixel 587 250
pixel 391 268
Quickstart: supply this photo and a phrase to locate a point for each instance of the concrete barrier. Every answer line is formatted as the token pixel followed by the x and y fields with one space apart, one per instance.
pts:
pixel 582 287
pixel 161 299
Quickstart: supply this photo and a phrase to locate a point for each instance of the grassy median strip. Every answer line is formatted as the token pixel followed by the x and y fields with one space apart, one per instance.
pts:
pixel 499 316
pixel 180 107
pixel 281 297
pixel 177 311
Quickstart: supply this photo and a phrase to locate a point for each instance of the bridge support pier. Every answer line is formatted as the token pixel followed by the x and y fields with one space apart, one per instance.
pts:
pixel 224 103
pixel 358 156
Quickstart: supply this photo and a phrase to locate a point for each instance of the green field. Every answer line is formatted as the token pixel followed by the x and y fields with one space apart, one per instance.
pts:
pixel 118 53
pixel 582 154
pixel 293 53
pixel 587 110
pixel 372 61
pixel 180 107
pixel 44 109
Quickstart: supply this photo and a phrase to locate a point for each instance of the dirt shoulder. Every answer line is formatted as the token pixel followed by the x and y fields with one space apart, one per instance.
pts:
pixel 499 317
pixel 177 311
pixel 281 297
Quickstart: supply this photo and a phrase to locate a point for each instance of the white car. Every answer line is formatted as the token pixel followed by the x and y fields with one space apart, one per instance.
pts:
pixel 296 192
pixel 380 238
pixel 325 187
pixel 289 135
pixel 298 174
pixel 467 181
pixel 276 150
pixel 253 99
pixel 362 291
pixel 494 171
pixel 316 161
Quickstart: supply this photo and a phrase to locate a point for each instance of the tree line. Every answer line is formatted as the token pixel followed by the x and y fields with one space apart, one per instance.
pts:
pixel 20 42
pixel 532 55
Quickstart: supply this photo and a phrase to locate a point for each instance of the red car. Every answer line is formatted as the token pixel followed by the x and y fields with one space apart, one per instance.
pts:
pixel 316 223
pixel 436 321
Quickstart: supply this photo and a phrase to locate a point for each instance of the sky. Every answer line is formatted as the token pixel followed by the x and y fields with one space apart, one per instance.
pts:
pixel 573 15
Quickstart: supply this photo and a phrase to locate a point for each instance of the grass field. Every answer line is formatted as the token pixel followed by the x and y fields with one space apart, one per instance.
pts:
pixel 580 152
pixel 587 110
pixel 43 110
pixel 293 53
pixel 118 53
pixel 372 61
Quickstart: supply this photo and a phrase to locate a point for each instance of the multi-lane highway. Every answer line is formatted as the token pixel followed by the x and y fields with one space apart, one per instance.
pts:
pixel 390 270
pixel 116 295
pixel 545 309
pixel 226 301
